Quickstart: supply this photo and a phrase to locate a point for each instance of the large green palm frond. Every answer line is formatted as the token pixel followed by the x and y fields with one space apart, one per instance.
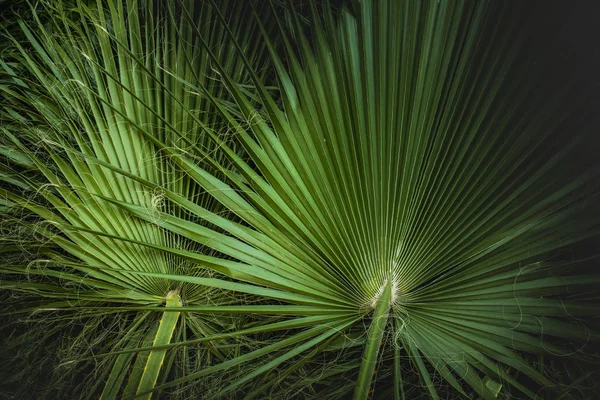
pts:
pixel 394 217
pixel 405 177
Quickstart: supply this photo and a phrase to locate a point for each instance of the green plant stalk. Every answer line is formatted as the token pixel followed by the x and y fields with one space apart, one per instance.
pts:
pixel 374 336
pixel 164 334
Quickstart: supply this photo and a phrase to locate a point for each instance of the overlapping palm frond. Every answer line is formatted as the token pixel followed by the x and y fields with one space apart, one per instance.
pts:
pixel 393 220
pixel 81 86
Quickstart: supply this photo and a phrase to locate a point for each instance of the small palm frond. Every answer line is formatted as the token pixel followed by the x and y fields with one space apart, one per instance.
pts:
pixel 80 88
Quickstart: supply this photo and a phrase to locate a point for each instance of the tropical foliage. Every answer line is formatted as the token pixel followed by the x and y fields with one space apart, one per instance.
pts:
pixel 263 200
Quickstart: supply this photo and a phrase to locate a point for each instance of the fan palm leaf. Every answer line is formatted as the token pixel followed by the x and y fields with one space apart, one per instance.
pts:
pixel 95 75
pixel 390 214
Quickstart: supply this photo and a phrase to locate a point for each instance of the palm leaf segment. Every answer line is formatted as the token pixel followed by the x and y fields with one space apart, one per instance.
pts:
pixel 388 193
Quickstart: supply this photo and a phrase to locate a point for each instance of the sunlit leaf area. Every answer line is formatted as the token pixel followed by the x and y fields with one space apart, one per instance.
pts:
pixel 303 199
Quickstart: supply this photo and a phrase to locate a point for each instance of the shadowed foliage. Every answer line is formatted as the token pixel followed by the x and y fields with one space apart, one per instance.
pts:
pixel 378 199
